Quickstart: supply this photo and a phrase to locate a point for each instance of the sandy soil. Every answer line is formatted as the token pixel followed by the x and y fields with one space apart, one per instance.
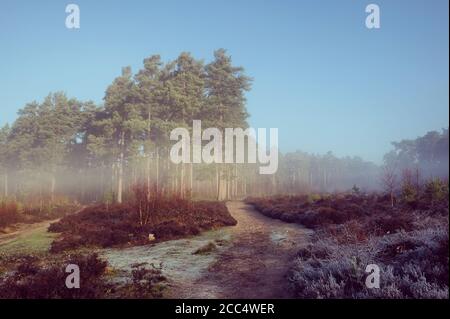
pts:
pixel 250 261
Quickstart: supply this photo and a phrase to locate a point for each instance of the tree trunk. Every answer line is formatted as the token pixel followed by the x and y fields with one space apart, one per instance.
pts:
pixel 236 181
pixel 148 158
pixel 83 183
pixel 221 184
pixel 191 179
pixel 182 181
pixel 175 180
pixel 120 175
pixel 120 180
pixel 148 175
pixel 274 185
pixel 227 185
pixel 113 181
pixel 52 187
pixel 392 199
pixel 157 169
pixel 102 182
pixel 6 184
pixel 217 182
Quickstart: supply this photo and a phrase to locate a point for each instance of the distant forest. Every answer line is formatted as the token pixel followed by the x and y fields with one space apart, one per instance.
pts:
pixel 67 147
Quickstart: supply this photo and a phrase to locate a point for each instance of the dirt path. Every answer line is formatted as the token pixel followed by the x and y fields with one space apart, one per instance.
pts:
pixel 251 259
pixel 23 230
pixel 255 264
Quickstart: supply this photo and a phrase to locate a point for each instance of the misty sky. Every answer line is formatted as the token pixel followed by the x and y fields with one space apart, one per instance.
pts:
pixel 320 76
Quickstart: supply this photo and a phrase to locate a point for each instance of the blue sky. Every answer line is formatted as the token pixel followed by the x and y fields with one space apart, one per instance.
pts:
pixel 320 76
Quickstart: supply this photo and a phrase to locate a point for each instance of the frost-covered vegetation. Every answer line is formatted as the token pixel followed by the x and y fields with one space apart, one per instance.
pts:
pixel 407 240
pixel 413 265
pixel 36 277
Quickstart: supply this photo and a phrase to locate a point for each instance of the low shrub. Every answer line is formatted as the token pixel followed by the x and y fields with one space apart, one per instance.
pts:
pixel 35 278
pixel 209 247
pixel 413 265
pixel 9 213
pixel 145 283
pixel 44 277
pixel 389 223
pixel 122 224
pixel 12 211
pixel 409 243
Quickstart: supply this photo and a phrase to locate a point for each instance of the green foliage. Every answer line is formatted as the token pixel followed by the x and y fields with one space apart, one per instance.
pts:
pixel 436 190
pixel 429 153
pixel 409 193
pixel 410 188
pixel 63 135
pixel 38 240
pixel 356 190
pixel 225 87
pixel 313 197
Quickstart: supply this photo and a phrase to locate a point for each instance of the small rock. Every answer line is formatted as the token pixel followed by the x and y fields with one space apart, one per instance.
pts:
pixel 151 237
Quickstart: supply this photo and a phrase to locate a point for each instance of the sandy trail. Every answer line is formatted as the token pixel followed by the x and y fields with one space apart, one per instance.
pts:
pixel 23 230
pixel 250 262
pixel 13 232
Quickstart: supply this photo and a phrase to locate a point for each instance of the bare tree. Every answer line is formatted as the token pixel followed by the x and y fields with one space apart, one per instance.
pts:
pixel 389 180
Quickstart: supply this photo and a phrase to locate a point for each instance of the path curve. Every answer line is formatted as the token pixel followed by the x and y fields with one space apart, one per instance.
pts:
pixel 256 262
pixel 251 260
pixel 24 230
pixel 13 232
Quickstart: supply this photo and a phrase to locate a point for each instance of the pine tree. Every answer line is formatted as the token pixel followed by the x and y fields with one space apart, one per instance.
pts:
pixel 225 88
pixel 188 101
pixel 149 92
pixel 121 127
pixel 40 138
pixel 4 164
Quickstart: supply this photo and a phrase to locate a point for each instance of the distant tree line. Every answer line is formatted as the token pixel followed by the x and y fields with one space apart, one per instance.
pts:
pixel 303 172
pixel 428 154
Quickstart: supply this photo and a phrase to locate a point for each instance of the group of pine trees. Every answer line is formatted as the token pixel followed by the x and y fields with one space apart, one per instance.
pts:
pixel 65 145
pixel 91 152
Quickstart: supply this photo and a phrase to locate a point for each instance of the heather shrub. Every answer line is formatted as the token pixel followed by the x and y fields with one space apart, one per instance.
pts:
pixel 436 190
pixel 389 223
pixel 409 242
pixel 351 232
pixel 145 283
pixel 413 265
pixel 51 210
pixel 131 223
pixel 9 213
pixel 32 211
pixel 34 278
pixel 409 195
